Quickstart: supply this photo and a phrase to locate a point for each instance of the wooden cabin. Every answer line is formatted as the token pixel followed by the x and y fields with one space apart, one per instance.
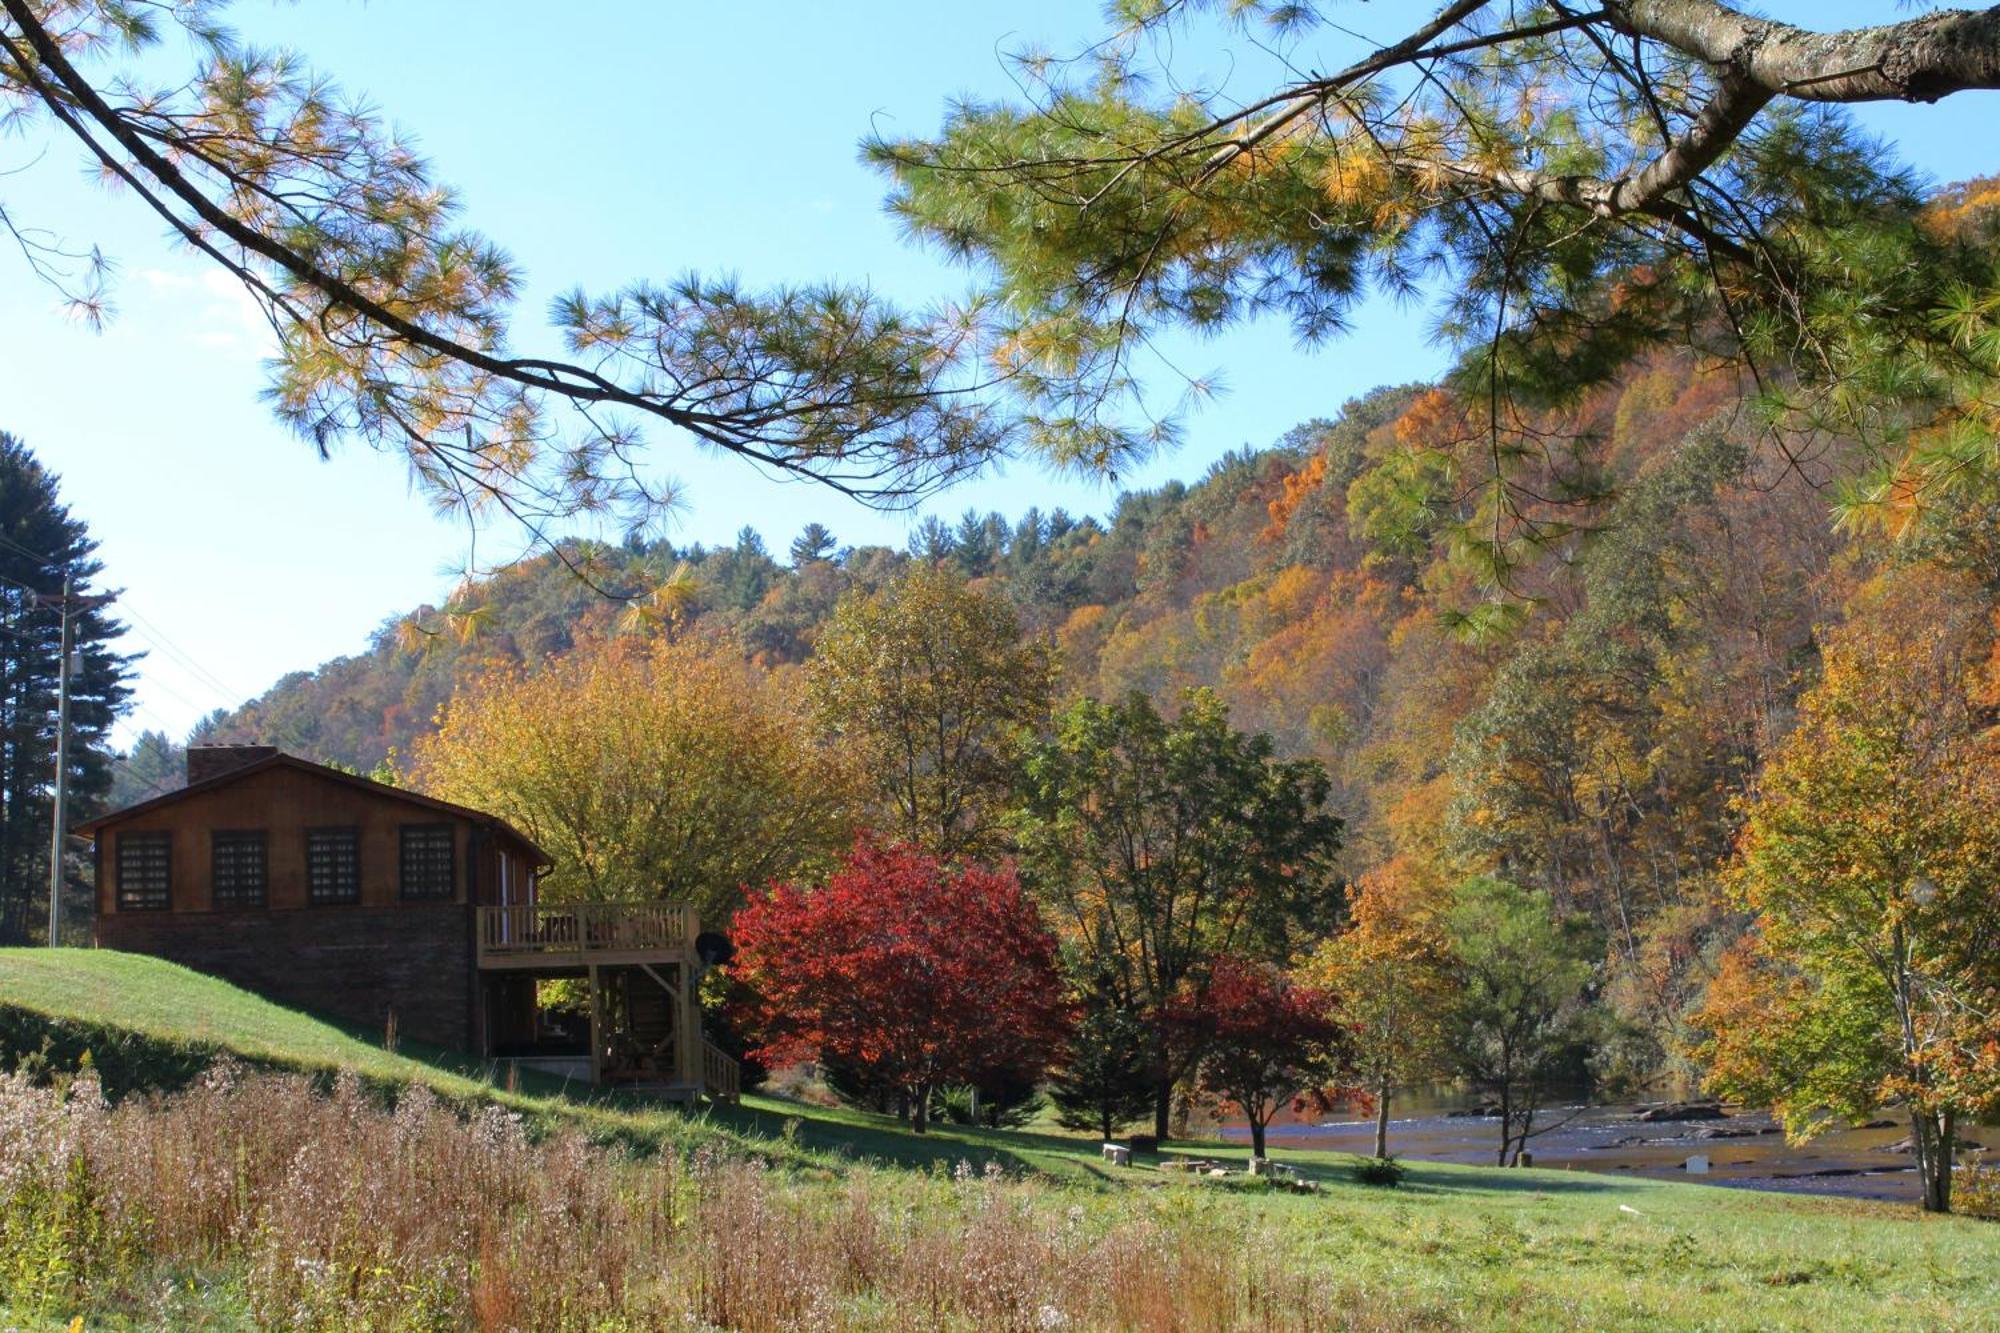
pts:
pixel 392 911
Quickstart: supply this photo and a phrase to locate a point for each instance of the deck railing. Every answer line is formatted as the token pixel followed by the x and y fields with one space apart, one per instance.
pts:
pixel 721 1077
pixel 584 928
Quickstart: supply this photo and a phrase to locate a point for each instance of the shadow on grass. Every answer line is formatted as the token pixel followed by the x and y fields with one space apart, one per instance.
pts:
pixel 1502 1180
pixel 867 1137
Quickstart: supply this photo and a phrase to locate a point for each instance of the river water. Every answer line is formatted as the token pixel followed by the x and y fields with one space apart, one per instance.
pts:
pixel 1744 1149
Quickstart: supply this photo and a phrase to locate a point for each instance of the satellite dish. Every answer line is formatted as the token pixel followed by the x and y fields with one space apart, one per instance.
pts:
pixel 713 948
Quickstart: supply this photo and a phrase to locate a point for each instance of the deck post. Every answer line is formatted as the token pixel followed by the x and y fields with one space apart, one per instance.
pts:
pixel 596 1029
pixel 690 1042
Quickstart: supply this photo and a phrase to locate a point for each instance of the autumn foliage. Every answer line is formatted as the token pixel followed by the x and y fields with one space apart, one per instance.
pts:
pixel 648 770
pixel 921 973
pixel 1392 970
pixel 1871 863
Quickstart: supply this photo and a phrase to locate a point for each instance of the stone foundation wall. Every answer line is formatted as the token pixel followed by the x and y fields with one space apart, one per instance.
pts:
pixel 355 964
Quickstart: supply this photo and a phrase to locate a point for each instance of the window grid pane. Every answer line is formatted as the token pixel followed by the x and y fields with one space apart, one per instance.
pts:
pixel 427 860
pixel 145 872
pixel 333 865
pixel 239 869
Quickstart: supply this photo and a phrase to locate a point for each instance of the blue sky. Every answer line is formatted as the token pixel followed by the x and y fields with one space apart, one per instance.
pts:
pixel 632 140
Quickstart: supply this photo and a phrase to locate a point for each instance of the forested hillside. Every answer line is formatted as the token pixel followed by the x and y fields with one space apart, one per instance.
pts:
pixel 1584 729
pixel 1570 682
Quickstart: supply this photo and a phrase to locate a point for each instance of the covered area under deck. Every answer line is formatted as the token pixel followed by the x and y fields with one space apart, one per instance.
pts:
pixel 637 965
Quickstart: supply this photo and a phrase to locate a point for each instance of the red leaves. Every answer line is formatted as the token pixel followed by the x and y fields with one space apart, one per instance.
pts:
pixel 922 972
pixel 1267 1040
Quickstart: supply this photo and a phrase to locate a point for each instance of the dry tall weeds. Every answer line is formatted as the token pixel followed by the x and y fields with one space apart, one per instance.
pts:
pixel 331 1211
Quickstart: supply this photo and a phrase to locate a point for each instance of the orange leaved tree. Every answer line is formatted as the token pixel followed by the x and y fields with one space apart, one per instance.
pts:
pixel 1871 863
pixel 1391 969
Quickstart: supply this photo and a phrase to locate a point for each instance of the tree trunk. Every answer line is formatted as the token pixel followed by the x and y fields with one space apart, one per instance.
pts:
pixel 1934 1138
pixel 1163 1108
pixel 1256 1137
pixel 920 1110
pixel 1382 1120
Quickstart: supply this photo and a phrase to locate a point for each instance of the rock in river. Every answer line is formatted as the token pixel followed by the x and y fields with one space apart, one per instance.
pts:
pixel 1682 1111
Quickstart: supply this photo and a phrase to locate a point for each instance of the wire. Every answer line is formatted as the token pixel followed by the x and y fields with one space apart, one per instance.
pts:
pixel 151 786
pixel 154 635
pixel 147 632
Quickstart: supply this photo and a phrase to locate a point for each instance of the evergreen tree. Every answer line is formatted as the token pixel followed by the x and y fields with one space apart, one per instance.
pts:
pixel 981 541
pixel 1107 1080
pixel 815 543
pixel 155 765
pixel 933 541
pixel 40 542
pixel 1532 156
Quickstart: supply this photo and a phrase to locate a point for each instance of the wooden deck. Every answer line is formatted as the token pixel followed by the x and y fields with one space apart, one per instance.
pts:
pixel 616 945
pixel 585 935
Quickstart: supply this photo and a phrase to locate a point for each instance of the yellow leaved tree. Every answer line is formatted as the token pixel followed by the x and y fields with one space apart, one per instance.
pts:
pixel 648 770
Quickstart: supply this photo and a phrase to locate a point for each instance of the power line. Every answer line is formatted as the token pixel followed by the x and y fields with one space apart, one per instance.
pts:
pixel 141 627
pixel 152 634
pixel 151 786
pixel 165 728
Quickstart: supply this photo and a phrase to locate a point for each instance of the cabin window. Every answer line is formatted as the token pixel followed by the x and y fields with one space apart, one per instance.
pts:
pixel 237 864
pixel 427 861
pixel 333 866
pixel 145 872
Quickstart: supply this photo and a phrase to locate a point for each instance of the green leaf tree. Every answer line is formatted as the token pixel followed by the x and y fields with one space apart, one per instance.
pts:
pixel 1519 1019
pixel 933 688
pixel 1159 845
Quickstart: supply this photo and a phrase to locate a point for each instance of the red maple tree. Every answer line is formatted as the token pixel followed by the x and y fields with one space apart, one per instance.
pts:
pixel 923 974
pixel 1266 1042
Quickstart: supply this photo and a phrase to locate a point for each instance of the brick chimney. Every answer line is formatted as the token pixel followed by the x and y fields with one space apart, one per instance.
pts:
pixel 212 761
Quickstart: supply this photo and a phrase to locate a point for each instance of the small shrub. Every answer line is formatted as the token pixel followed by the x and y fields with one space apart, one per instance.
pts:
pixel 1975 1190
pixel 1384 1171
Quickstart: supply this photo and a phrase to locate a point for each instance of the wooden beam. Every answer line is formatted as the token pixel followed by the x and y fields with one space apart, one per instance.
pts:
pixel 687 1031
pixel 691 1039
pixel 596 1029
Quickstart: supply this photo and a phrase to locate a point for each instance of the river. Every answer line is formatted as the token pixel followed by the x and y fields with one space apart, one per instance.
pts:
pixel 1744 1149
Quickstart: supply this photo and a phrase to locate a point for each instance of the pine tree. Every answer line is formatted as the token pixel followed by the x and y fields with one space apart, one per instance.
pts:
pixel 813 544
pixel 155 765
pixel 40 542
pixel 1107 1080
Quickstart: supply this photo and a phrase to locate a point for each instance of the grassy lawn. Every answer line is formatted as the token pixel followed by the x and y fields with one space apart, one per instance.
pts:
pixel 1453 1246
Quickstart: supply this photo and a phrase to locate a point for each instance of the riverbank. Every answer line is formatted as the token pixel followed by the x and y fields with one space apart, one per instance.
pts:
pixel 1743 1148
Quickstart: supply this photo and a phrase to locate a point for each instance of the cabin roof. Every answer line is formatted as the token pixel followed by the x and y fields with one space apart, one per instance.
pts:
pixel 92 827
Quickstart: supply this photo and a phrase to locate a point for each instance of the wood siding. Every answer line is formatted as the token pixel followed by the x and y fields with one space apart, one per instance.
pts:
pixel 357 961
pixel 285 803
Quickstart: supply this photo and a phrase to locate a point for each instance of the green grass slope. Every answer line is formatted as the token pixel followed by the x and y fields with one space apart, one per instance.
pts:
pixel 1470 1246
pixel 147 1022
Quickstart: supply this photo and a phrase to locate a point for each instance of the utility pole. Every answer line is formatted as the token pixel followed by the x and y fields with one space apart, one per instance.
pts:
pixel 60 826
pixel 67 664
